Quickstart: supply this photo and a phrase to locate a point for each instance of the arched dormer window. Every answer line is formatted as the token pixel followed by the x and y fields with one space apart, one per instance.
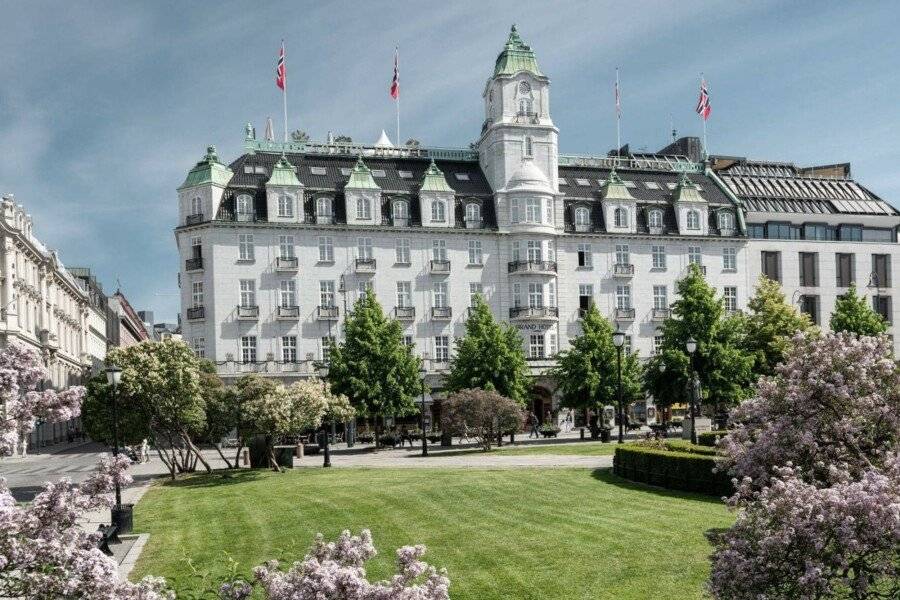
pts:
pixel 400 212
pixel 196 205
pixel 363 208
pixel 655 218
pixel 529 150
pixel 473 212
pixel 582 218
pixel 620 217
pixel 285 206
pixel 726 221
pixel 324 213
pixel 693 220
pixel 438 211
pixel 244 207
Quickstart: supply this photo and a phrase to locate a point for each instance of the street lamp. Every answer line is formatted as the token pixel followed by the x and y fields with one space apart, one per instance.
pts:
pixel 323 373
pixel 618 342
pixel 423 371
pixel 691 345
pixel 113 377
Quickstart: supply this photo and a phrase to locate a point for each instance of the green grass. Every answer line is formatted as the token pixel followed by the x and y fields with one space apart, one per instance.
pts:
pixel 502 534
pixel 560 449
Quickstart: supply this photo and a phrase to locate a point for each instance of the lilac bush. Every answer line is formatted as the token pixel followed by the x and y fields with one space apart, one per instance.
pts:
pixel 816 463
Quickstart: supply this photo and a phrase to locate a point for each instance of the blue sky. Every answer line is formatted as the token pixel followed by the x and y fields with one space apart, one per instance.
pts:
pixel 104 107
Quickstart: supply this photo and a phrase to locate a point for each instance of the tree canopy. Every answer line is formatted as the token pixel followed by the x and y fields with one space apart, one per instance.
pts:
pixel 853 315
pixel 481 414
pixel 771 323
pixel 489 356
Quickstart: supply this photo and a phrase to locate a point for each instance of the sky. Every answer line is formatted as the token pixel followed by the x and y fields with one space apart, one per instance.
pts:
pixel 105 106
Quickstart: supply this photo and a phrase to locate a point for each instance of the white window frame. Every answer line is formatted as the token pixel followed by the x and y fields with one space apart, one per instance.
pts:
pixel 475 289
pixel 658 254
pixel 476 255
pixel 588 255
pixel 660 297
pixel 199 346
pixel 655 218
pixel 248 349
pixel 197 294
pixel 286 246
pixel 623 254
pixel 245 247
pixel 402 251
pixel 693 220
pixel 324 209
pixel 363 208
pixel 729 298
pixel 400 210
pixel 326 248
pixel 534 251
pixel 289 348
pixel 532 210
pixel 244 204
pixel 620 217
pixel 285 206
pixel 196 205
pixel 404 294
pixel 439 249
pixel 438 211
pixel 440 294
pixel 287 293
pixel 536 345
pixel 364 248
pixel 582 216
pixel 326 294
pixel 535 295
pixel 247 288
pixel 695 255
pixel 623 296
pixel 442 348
pixel 473 212
pixel 729 259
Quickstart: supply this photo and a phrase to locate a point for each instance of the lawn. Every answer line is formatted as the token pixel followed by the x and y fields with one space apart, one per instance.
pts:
pixel 561 449
pixel 502 534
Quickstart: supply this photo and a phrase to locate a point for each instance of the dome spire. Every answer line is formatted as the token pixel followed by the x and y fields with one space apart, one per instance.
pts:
pixel 516 56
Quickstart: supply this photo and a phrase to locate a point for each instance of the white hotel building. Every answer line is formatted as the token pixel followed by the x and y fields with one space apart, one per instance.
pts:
pixel 277 246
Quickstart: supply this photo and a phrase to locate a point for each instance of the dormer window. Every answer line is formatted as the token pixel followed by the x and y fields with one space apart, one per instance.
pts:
pixel 244 206
pixel 401 212
pixel 528 146
pixel 620 217
pixel 655 219
pixel 473 213
pixel 285 206
pixel 363 208
pixel 324 212
pixel 582 219
pixel 726 221
pixel 438 211
pixel 693 220
pixel 196 205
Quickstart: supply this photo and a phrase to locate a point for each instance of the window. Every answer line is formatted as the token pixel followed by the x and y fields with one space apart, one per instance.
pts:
pixel 655 219
pixel 326 249
pixel 782 231
pixel 248 349
pixel 582 182
pixel 881 270
pixel 551 293
pixel 196 247
pixel 245 246
pixel 845 275
pixel 363 208
pixel 585 297
pixel 882 306
pixel 551 344
pixel 244 205
pixel 658 254
pixel 285 206
pixel 771 265
pixel 401 212
pixel 286 246
pixel 693 219
pixel 756 230
pixel 850 233
pixel 729 295
pixel 248 293
pixel 438 211
pixel 378 173
pixel 288 293
pixel 726 221
pixel 199 344
pixel 408 341
pixel 440 294
pixel 627 347
pixel 536 345
pixel 326 294
pixel 323 210
pixel 524 106
pixel 660 297
pixel 514 210
pixel 289 349
pixel 365 286
pixel 585 258
pixel 534 251
pixel 473 213
pixel 404 294
pixel 623 256
pixel 405 174
pixel 439 250
pixel 818 231
pixel 651 185
pixel 729 259
pixel 695 255
pixel 402 251
pixel 623 296
pixel 620 217
pixel 809 304
pixel 318 171
pixel 196 206
pixel 528 146
pixel 327 345
pixel 657 344
pixel 364 248
pixel 475 290
pixel 878 234
pixel 532 210
pixel 809 275
pixel 461 176
pixel 197 294
pixel 475 253
pixel 442 348
pixel 582 217
pixel 517 295
pixel 535 295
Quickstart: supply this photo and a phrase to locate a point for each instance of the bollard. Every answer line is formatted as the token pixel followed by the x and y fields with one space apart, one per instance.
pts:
pixel 582 434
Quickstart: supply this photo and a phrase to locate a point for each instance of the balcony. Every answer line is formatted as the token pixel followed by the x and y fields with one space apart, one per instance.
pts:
pixel 245 217
pixel 405 313
pixel 660 314
pixel 248 313
pixel 543 267
pixel 624 314
pixel 534 313
pixel 474 223
pixel 324 219
pixel 194 264
pixel 623 270
pixel 401 221
pixel 582 227
pixel 726 232
pixel 441 313
pixel 327 313
pixel 365 265
pixel 286 263
pixel 288 312
pixel 440 267
pixel 196 312
pixel 656 229
pixel 194 219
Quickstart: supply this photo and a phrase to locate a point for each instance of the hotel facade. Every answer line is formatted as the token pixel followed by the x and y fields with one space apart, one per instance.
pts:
pixel 276 246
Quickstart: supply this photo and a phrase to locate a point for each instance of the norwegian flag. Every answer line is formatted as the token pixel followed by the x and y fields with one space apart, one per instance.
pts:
pixel 280 71
pixel 703 105
pixel 618 99
pixel 395 83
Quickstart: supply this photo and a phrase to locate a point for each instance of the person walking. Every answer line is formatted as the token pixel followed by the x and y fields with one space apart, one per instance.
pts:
pixel 535 431
pixel 145 451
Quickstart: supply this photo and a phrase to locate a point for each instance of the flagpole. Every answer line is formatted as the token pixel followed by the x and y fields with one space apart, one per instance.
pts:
pixel 705 145
pixel 397 60
pixel 284 94
pixel 618 117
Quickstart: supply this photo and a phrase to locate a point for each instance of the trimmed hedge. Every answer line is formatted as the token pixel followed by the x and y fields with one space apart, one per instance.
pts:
pixel 686 446
pixel 709 438
pixel 686 471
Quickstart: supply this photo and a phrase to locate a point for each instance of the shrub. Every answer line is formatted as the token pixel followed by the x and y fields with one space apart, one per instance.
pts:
pixel 709 438
pixel 687 471
pixel 679 446
pixel 480 414
pixel 389 439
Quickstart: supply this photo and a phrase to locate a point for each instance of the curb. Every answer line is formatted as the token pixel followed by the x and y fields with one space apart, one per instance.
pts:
pixel 127 564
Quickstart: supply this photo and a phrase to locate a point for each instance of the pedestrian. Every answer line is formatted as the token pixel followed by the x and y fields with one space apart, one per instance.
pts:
pixel 145 451
pixel 535 430
pixel 568 422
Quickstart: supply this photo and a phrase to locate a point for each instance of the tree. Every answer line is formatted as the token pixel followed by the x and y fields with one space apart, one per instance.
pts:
pixel 722 365
pixel 489 356
pixel 588 371
pixel 162 380
pixel 816 456
pixel 21 369
pixel 481 414
pixel 771 324
pixel 219 408
pixel 853 315
pixel 97 416
pixel 372 366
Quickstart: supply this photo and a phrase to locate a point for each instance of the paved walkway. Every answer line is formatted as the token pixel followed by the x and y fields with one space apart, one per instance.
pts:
pixel 452 459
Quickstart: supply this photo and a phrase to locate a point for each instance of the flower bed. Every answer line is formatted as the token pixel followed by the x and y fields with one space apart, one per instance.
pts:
pixel 690 471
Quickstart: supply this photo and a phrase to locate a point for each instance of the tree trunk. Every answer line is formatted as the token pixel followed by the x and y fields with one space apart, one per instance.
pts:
pixel 237 455
pixel 170 465
pixel 275 466
pixel 219 450
pixel 377 433
pixel 196 451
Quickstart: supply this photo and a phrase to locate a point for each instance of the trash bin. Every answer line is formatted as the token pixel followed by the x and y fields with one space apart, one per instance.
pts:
pixel 123 518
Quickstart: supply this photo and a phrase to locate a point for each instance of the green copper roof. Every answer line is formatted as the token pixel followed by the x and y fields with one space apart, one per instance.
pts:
pixel 614 188
pixel 283 174
pixel 361 177
pixel 686 190
pixel 434 180
pixel 516 56
pixel 208 170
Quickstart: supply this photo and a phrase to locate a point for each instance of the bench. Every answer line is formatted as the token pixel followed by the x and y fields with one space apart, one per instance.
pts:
pixel 108 534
